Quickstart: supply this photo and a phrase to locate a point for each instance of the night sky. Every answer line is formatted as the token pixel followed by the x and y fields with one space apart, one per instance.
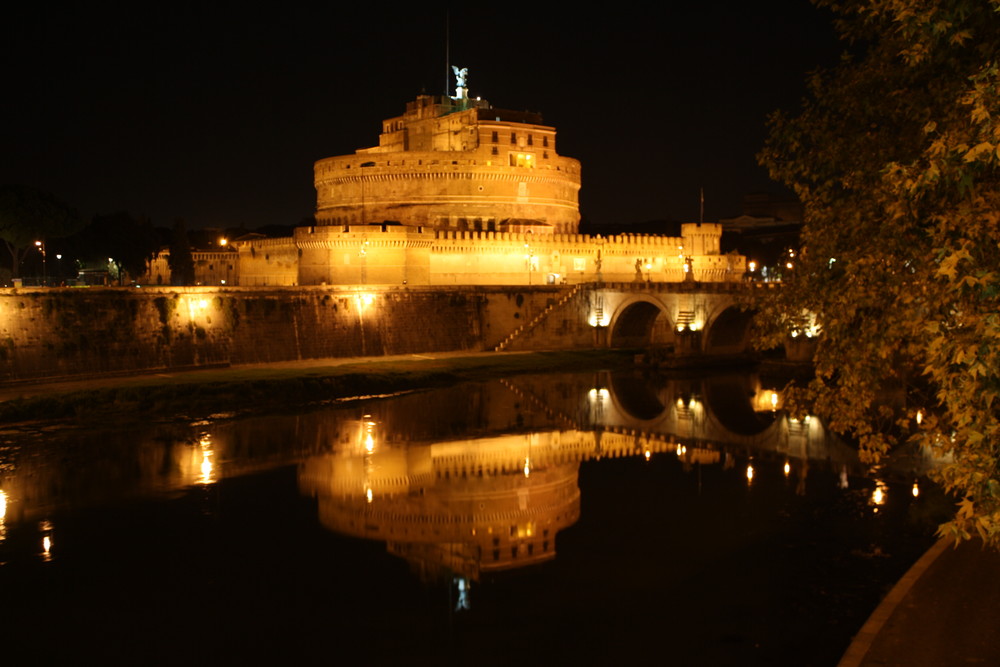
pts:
pixel 216 115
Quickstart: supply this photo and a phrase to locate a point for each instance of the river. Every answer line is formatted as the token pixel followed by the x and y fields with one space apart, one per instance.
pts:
pixel 590 518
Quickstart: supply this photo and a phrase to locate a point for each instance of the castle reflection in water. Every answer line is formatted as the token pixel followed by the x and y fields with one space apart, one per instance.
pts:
pixel 496 498
pixel 459 481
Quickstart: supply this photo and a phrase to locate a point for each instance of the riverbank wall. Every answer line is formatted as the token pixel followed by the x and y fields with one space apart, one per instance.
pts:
pixel 71 332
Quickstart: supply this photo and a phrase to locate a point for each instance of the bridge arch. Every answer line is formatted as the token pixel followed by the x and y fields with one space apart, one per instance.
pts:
pixel 728 332
pixel 635 399
pixel 640 321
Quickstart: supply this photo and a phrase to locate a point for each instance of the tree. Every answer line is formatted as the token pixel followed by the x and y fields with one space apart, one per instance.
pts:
pixel 181 262
pixel 28 215
pixel 895 155
pixel 127 242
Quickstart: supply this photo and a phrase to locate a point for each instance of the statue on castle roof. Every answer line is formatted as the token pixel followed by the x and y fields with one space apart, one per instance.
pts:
pixel 461 76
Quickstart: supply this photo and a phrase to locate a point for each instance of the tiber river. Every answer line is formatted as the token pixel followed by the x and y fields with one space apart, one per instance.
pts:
pixel 574 518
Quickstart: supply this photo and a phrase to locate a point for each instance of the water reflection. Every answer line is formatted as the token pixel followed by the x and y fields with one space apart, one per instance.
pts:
pixel 459 481
pixel 675 502
pixel 462 507
pixel 3 515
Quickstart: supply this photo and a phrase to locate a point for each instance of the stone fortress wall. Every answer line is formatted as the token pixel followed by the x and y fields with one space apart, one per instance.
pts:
pixel 67 332
pixel 401 255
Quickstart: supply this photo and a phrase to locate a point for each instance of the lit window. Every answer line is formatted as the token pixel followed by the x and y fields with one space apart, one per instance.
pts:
pixel 522 160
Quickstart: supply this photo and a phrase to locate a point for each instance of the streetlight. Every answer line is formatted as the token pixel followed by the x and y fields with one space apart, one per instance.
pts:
pixel 649 270
pixel 41 247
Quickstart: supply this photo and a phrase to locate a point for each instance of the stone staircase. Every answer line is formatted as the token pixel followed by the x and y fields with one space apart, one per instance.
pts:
pixel 527 328
pixel 567 422
pixel 684 319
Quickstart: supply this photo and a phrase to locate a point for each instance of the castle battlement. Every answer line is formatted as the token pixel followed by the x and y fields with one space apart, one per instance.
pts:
pixel 388 254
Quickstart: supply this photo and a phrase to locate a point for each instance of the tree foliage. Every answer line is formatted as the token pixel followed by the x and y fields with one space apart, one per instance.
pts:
pixel 895 155
pixel 28 215
pixel 128 242
pixel 181 261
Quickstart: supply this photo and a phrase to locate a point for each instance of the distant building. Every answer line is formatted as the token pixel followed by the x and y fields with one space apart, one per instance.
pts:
pixel 768 232
pixel 215 262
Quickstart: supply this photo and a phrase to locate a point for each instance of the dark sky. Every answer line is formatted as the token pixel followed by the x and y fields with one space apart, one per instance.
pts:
pixel 216 115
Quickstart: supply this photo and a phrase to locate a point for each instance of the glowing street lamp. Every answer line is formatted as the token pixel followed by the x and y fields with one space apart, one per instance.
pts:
pixel 41 247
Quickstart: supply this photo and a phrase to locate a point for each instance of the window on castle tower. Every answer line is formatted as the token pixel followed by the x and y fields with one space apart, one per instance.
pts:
pixel 496 137
pixel 545 141
pixel 531 140
pixel 513 138
pixel 522 160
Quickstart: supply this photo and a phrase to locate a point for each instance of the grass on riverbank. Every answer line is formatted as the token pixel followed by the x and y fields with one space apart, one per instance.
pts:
pixel 200 393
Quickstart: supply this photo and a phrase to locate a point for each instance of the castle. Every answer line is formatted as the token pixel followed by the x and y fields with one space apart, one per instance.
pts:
pixel 458 192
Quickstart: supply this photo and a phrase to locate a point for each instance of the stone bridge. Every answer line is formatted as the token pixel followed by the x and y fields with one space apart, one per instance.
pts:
pixel 688 317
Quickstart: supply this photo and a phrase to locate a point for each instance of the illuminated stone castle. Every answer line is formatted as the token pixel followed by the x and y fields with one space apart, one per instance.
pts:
pixel 460 193
pixel 454 163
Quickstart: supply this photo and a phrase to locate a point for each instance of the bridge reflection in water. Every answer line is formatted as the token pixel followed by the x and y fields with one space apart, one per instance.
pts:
pixel 466 506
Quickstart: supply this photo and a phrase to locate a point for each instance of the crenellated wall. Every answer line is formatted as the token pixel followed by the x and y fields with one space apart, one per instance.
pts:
pixel 387 254
pixel 391 254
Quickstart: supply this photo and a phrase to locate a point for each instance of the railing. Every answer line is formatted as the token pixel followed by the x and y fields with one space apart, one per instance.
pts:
pixel 527 328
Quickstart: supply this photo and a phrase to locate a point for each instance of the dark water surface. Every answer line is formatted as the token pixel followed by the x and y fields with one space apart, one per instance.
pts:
pixel 564 518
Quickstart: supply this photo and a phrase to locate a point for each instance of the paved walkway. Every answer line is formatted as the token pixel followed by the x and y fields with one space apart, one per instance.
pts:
pixel 54 387
pixel 944 611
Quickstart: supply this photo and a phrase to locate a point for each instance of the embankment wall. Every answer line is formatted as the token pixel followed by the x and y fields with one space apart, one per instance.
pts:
pixel 65 333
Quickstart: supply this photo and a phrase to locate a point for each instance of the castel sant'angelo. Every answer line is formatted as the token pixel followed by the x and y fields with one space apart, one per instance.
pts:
pixel 458 192
pixel 455 164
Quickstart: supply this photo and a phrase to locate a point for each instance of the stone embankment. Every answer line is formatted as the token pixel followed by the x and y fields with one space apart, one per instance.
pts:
pixel 69 332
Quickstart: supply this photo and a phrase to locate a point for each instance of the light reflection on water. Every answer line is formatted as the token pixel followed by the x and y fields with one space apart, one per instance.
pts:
pixel 647 488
